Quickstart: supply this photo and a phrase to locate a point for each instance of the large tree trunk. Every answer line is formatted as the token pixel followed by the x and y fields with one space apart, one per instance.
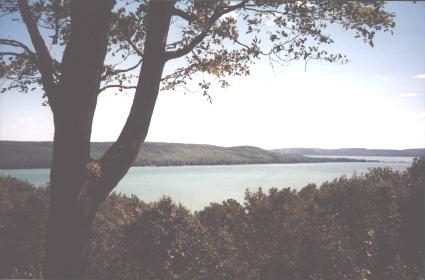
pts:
pixel 79 184
pixel 69 222
pixel 73 106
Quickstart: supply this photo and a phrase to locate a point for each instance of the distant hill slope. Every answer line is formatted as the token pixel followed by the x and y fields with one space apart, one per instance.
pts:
pixel 38 155
pixel 352 152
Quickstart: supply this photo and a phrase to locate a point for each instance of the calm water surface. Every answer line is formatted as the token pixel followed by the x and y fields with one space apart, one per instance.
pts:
pixel 197 186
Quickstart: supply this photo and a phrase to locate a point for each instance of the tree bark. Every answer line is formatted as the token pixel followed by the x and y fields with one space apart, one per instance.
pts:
pixel 79 184
pixel 121 155
pixel 74 106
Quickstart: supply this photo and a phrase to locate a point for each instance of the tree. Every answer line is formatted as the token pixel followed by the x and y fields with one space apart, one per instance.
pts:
pixel 99 40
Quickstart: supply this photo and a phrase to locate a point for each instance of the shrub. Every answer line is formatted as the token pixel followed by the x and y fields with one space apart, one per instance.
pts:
pixel 365 227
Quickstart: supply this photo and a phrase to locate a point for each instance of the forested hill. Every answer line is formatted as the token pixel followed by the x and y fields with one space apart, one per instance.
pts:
pixel 353 152
pixel 38 155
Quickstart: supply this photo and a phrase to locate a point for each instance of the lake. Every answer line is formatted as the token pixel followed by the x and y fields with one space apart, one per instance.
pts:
pixel 197 186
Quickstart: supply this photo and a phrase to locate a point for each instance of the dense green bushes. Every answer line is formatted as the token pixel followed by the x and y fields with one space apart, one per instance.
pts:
pixel 363 227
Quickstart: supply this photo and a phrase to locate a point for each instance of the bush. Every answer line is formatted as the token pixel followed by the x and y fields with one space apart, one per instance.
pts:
pixel 23 220
pixel 364 227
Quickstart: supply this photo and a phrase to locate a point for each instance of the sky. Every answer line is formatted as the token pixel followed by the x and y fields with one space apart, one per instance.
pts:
pixel 377 100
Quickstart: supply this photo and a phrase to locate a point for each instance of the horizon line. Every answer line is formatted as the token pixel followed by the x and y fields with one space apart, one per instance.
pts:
pixel 243 145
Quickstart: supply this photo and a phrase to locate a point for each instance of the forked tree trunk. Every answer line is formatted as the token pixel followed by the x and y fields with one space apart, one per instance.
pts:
pixel 73 105
pixel 78 184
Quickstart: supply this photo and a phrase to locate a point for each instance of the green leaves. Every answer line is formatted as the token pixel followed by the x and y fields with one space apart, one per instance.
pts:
pixel 279 31
pixel 225 38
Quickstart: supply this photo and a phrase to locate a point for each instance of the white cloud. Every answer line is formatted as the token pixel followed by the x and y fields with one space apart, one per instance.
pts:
pixel 409 94
pixel 419 76
pixel 382 77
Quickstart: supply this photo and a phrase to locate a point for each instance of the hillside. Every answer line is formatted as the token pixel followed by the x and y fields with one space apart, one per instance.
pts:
pixel 353 152
pixel 15 154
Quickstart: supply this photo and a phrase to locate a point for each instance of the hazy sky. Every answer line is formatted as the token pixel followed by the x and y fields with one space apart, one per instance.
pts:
pixel 375 101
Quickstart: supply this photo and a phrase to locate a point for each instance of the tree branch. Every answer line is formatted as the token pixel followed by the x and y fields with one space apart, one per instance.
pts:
pixel 121 155
pixel 135 48
pixel 116 86
pixel 184 15
pixel 11 53
pixel 198 39
pixel 44 60
pixel 14 43
pixel 123 70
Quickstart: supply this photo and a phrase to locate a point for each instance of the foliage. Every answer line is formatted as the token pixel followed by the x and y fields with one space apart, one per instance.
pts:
pixel 217 39
pixel 23 221
pixel 364 227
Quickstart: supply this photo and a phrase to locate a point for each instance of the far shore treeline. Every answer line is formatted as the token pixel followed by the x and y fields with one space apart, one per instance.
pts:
pixel 368 226
pixel 16 155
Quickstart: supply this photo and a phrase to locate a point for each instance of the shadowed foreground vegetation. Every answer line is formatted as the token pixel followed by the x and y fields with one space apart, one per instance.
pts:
pixel 368 226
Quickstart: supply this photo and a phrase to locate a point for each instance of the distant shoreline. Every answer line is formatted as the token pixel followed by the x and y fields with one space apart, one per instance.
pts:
pixel 33 155
pixel 356 152
pixel 340 160
pixel 37 155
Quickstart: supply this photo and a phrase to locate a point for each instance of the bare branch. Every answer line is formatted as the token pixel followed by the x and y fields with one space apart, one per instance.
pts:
pixel 184 15
pixel 116 86
pixel 135 48
pixel 11 53
pixel 7 13
pixel 14 43
pixel 273 12
pixel 44 60
pixel 123 70
pixel 198 39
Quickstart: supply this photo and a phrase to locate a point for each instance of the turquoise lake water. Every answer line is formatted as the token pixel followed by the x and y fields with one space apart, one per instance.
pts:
pixel 197 186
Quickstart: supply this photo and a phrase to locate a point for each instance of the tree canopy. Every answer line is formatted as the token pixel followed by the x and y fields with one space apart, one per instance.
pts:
pixel 216 38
